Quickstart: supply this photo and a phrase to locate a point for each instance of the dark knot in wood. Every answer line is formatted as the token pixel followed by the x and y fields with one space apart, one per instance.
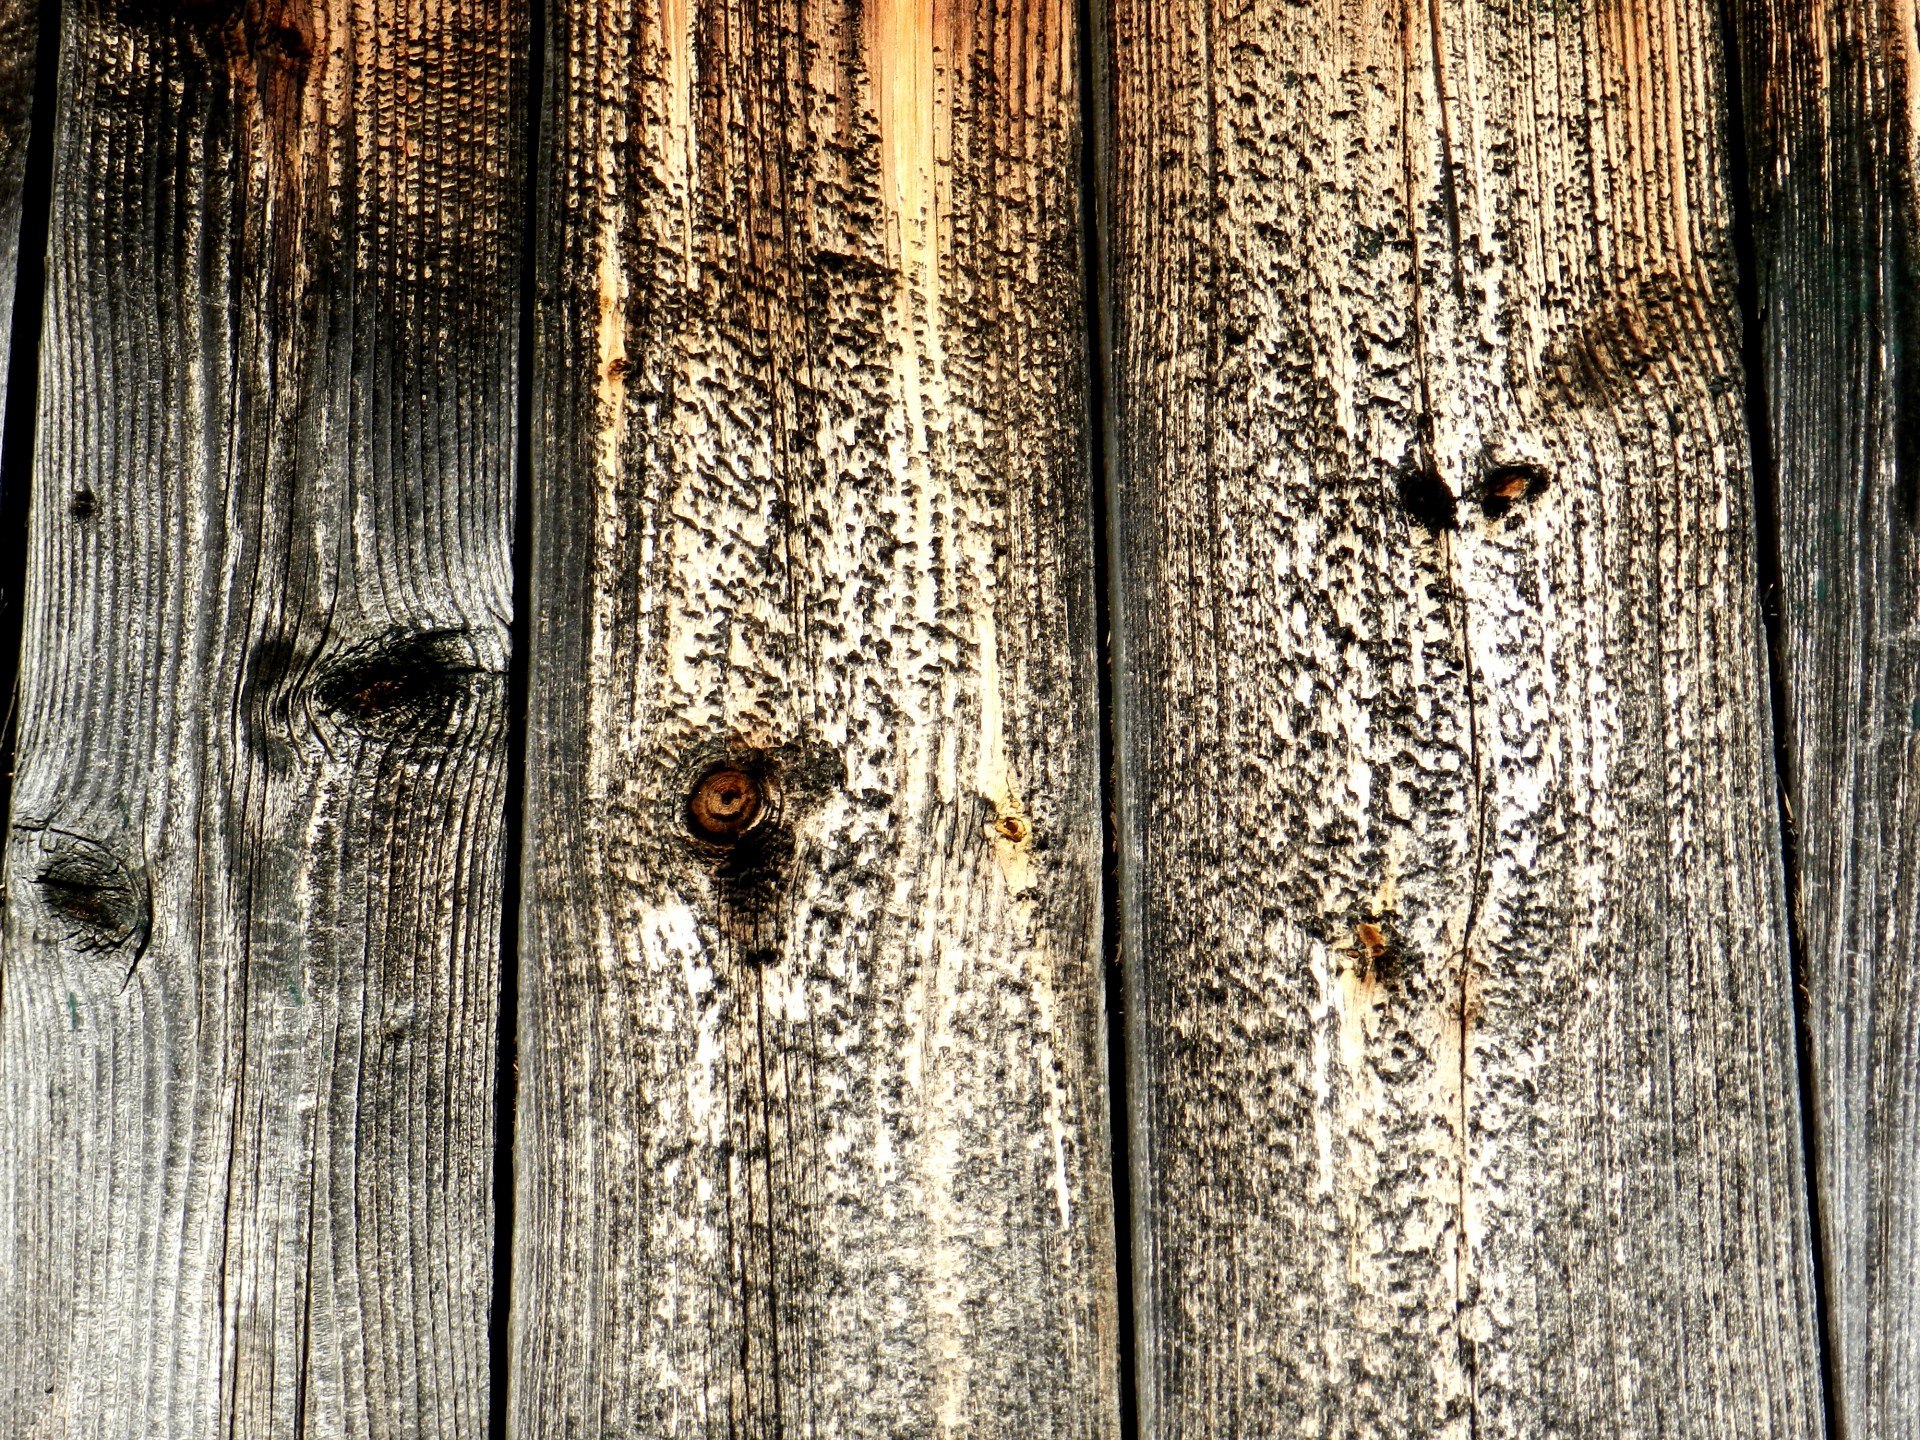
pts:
pixel 725 805
pixel 1507 485
pixel 97 901
pixel 1377 951
pixel 404 685
pixel 1426 500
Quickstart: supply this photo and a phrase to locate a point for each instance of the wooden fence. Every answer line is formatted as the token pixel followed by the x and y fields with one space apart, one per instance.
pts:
pixel 959 718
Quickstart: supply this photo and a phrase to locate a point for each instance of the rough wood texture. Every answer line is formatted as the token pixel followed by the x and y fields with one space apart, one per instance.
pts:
pixel 812 1127
pixel 19 39
pixel 1831 92
pixel 246 1050
pixel 1464 1083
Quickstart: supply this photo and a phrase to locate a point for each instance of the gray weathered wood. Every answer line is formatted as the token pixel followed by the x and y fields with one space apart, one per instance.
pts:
pixel 1463 1070
pixel 812 1131
pixel 247 1045
pixel 19 39
pixel 1830 98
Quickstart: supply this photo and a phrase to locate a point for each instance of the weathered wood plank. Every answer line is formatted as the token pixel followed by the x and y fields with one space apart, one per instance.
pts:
pixel 1464 1080
pixel 1830 95
pixel 19 44
pixel 812 1134
pixel 247 1048
pixel 23 232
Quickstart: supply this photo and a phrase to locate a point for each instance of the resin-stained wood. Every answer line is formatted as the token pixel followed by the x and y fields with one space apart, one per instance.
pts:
pixel 1464 1093
pixel 1830 94
pixel 812 1127
pixel 247 1066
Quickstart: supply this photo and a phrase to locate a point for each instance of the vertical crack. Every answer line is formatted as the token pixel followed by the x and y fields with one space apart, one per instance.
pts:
pixel 1433 484
pixel 513 809
pixel 1089 37
pixel 1090 22
pixel 1477 885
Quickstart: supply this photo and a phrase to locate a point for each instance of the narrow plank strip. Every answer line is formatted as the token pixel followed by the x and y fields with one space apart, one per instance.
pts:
pixel 812 1135
pixel 1464 1081
pixel 1831 91
pixel 19 44
pixel 247 1048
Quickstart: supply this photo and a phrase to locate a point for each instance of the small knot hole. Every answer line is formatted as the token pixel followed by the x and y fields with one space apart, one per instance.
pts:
pixel 1427 501
pixel 725 805
pixel 1507 485
pixel 1377 951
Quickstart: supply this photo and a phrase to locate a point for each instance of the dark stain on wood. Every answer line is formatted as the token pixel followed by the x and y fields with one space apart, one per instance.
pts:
pixel 283 270
pixel 1426 500
pixel 1652 321
pixel 402 685
pixel 1892 176
pixel 1836 314
pixel 94 897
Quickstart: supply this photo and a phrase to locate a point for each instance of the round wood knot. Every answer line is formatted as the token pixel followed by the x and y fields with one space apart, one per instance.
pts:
pixel 725 805
pixel 1012 827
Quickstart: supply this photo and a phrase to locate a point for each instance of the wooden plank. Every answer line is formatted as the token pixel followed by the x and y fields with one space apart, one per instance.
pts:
pixel 23 232
pixel 1464 1083
pixel 19 44
pixel 1830 92
pixel 812 1124
pixel 247 1049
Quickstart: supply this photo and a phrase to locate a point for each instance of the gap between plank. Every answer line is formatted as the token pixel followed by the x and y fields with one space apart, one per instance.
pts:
pixel 1766 514
pixel 1090 38
pixel 513 810
pixel 17 438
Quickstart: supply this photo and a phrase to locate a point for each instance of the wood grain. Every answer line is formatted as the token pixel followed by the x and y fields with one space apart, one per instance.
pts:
pixel 19 45
pixel 247 1045
pixel 812 1131
pixel 1463 1072
pixel 1830 96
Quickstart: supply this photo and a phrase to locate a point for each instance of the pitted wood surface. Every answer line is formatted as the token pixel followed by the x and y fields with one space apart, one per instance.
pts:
pixel 1462 1022
pixel 812 1134
pixel 1463 1070
pixel 247 1040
